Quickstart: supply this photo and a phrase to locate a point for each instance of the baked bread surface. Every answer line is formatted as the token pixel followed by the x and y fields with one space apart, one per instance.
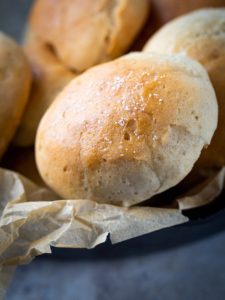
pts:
pixel 84 33
pixel 128 129
pixel 201 36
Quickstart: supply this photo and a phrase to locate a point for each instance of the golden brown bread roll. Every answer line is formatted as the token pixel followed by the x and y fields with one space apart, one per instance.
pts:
pixel 128 129
pixel 49 77
pixel 15 80
pixel 163 11
pixel 200 35
pixel 84 33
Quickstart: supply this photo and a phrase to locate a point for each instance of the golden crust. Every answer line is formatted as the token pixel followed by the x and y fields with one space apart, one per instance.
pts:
pixel 15 80
pixel 120 132
pixel 86 32
pixel 201 35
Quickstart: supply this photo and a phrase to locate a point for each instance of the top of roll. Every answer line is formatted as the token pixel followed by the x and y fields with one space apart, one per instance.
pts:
pixel 86 32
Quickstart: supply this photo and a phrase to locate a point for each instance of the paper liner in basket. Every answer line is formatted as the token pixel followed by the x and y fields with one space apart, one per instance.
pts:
pixel 31 220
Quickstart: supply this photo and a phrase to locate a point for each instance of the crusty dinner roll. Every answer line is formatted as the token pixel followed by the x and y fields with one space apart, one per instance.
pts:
pixel 49 77
pixel 200 35
pixel 163 11
pixel 15 80
pixel 84 33
pixel 128 129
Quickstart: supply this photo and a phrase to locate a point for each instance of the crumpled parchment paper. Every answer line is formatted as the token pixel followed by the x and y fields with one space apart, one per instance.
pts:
pixel 32 220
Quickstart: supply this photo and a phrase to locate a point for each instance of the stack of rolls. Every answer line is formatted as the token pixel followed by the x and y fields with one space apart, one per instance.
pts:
pixel 65 39
pixel 110 127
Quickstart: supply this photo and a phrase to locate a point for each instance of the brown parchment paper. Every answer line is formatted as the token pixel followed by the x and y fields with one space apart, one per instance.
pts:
pixel 32 220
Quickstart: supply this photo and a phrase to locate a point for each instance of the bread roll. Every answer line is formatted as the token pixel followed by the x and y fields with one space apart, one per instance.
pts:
pixel 15 80
pixel 163 11
pixel 200 35
pixel 84 33
pixel 49 78
pixel 127 130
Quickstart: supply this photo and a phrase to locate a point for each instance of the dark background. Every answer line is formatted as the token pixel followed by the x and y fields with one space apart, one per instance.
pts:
pixel 183 262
